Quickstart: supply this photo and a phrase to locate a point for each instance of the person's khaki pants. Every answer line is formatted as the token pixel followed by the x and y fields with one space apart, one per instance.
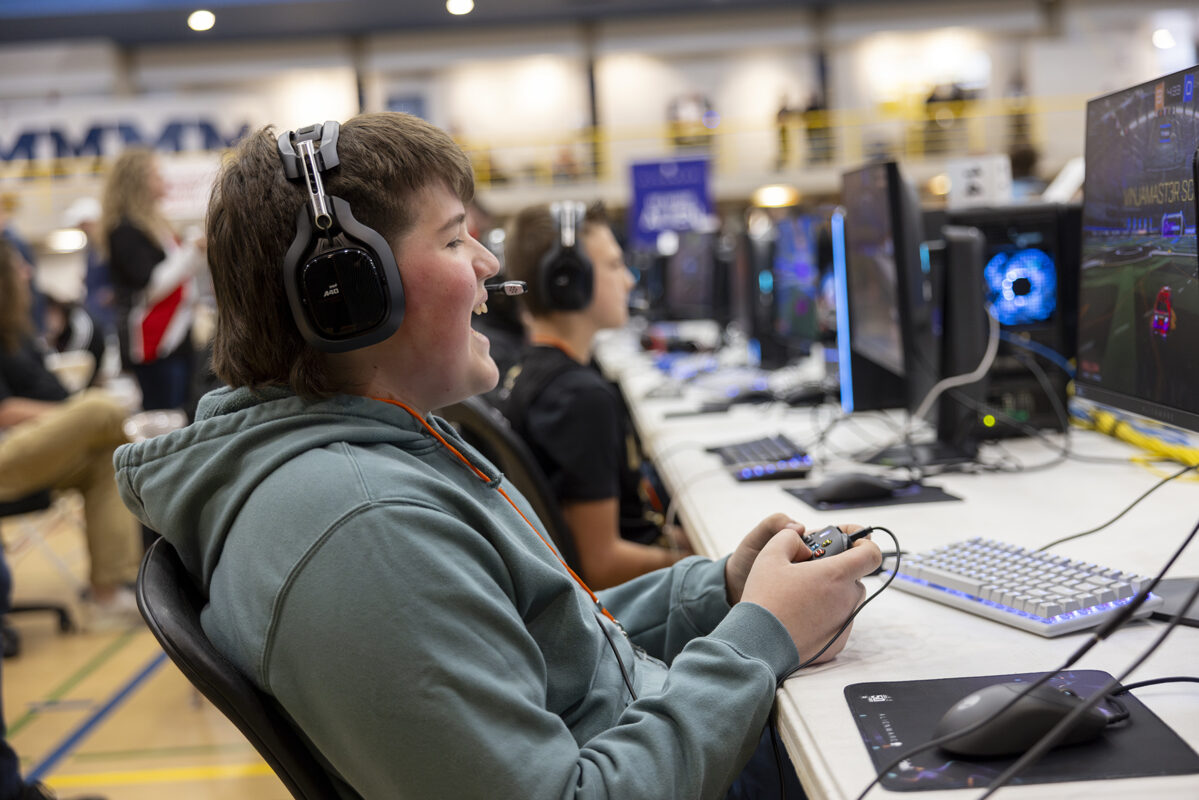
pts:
pixel 71 447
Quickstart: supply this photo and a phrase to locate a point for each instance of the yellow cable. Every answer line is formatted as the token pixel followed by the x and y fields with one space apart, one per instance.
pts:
pixel 1110 424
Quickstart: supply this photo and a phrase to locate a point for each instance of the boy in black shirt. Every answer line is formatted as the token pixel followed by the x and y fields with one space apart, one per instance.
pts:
pixel 573 419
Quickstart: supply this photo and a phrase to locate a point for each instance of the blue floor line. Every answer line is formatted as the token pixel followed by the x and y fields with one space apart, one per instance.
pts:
pixel 41 770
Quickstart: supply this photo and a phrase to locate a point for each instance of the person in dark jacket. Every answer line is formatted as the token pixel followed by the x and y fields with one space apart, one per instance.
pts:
pixel 153 275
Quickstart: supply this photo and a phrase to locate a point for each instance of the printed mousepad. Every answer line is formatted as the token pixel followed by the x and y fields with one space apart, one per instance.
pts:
pixel 914 493
pixel 896 716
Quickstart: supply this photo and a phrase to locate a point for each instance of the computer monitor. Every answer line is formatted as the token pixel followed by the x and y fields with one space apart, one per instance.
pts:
pixel 914 313
pixel 786 311
pixel 886 352
pixel 692 278
pixel 1138 327
pixel 796 279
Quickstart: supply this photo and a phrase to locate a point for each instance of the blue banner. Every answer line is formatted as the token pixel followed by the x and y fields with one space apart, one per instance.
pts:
pixel 670 195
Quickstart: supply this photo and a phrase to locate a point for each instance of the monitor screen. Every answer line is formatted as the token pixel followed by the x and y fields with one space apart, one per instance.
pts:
pixel 796 280
pixel 874 322
pixel 888 339
pixel 1138 323
pixel 690 277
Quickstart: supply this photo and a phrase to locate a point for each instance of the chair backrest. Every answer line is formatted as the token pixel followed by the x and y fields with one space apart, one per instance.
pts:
pixel 486 429
pixel 170 604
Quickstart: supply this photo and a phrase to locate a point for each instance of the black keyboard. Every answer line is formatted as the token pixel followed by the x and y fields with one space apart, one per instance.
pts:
pixel 770 458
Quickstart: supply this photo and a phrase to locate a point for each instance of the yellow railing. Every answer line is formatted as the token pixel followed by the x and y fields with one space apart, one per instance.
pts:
pixel 790 147
pixel 911 132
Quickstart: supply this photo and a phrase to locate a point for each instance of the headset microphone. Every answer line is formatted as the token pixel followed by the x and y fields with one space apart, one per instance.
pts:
pixel 510 288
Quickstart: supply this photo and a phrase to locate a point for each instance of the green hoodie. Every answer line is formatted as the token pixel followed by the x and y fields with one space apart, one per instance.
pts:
pixel 422 635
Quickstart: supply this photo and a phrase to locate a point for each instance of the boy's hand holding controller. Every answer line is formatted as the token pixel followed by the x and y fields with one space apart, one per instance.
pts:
pixel 774 568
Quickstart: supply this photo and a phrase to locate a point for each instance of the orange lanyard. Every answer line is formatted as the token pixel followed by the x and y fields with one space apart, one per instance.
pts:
pixel 483 477
pixel 550 341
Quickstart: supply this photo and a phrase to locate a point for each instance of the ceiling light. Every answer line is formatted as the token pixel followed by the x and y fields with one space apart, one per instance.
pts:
pixel 201 20
pixel 1163 39
pixel 459 7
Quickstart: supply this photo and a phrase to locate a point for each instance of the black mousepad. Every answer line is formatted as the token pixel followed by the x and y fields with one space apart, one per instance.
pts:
pixel 913 493
pixel 896 716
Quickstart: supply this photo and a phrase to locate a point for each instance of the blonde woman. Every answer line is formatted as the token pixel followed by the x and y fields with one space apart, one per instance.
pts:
pixel 153 273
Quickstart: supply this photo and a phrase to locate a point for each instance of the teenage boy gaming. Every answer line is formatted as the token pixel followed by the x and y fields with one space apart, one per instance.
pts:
pixel 572 418
pixel 371 571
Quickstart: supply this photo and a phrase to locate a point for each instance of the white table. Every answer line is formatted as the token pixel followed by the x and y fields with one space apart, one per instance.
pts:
pixel 904 637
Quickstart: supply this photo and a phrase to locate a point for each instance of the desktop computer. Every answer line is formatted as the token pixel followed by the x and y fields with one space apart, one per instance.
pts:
pixel 917 286
pixel 1030 268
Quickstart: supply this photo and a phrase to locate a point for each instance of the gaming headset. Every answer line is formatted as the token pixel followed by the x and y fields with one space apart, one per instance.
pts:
pixel 341 277
pixel 565 275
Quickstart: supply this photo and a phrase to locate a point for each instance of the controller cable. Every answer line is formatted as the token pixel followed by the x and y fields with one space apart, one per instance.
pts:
pixel 1127 508
pixel 853 537
pixel 848 541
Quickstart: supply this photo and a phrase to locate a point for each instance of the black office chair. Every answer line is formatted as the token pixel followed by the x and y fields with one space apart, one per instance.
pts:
pixel 488 431
pixel 170 604
pixel 36 502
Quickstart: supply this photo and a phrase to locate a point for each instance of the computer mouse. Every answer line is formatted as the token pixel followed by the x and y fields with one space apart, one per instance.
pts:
pixel 1019 727
pixel 807 394
pixel 852 487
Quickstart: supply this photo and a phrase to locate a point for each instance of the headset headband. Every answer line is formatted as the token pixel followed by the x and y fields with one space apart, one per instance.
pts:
pixel 311 162
pixel 568 216
pixel 565 274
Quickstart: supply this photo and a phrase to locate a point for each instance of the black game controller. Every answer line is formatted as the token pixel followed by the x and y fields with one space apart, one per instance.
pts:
pixel 827 542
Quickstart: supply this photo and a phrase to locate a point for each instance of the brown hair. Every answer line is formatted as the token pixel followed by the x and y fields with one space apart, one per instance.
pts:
pixel 531 234
pixel 386 159
pixel 15 322
pixel 127 197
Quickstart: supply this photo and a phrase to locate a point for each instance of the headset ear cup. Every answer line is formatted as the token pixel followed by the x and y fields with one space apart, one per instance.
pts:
pixel 574 277
pixel 567 279
pixel 348 293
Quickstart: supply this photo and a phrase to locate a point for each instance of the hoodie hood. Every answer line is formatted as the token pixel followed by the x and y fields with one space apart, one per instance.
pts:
pixel 179 484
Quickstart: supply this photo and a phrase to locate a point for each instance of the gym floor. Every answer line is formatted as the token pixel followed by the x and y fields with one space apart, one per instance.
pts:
pixel 107 713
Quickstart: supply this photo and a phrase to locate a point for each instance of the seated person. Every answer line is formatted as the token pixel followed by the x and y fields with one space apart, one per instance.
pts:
pixel 70 328
pixel 50 441
pixel 573 419
pixel 395 594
